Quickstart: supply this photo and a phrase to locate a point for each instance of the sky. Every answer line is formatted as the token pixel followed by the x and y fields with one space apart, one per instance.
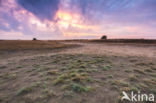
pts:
pixel 77 19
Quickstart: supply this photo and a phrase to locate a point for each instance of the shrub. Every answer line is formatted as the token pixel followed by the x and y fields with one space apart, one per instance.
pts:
pixel 104 37
pixel 34 39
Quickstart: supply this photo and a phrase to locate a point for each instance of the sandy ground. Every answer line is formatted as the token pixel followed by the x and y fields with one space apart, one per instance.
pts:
pixel 119 49
pixel 88 73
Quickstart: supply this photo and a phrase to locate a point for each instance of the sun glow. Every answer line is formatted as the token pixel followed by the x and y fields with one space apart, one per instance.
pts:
pixel 68 23
pixel 64 16
pixel 66 19
pixel 71 34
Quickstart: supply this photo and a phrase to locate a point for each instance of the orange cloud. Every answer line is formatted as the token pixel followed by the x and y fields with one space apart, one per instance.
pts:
pixel 65 18
pixel 72 24
pixel 73 34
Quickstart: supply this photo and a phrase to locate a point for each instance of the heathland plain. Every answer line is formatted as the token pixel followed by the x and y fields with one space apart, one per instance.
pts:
pixel 75 71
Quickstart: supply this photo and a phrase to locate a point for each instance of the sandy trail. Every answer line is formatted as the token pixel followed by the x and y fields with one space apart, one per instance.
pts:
pixel 143 50
pixel 139 50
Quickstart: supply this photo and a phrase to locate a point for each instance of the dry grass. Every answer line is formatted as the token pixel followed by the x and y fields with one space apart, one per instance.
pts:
pixel 30 45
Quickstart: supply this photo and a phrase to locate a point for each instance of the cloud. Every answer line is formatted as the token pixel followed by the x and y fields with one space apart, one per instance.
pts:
pixel 0 2
pixel 78 18
pixel 101 6
pixel 136 11
pixel 44 9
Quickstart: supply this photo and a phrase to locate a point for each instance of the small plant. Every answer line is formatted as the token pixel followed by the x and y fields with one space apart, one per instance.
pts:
pixel 122 65
pixel 24 90
pixel 135 89
pixel 48 92
pixel 148 70
pixel 141 64
pixel 19 67
pixel 83 66
pixel 60 79
pixel 128 71
pixel 68 94
pixel 45 85
pixel 89 79
pixel 77 77
pixel 106 68
pixel 8 76
pixel 110 76
pixel 84 74
pixel 76 87
pixel 63 69
pixel 36 65
pixel 80 70
pixel 139 71
pixel 141 85
pixel 115 87
pixel 131 88
pixel 79 61
pixel 2 67
pixel 94 70
pixel 65 87
pixel 52 72
pixel 149 82
pixel 120 83
pixel 133 78
pixel 153 68
pixel 79 88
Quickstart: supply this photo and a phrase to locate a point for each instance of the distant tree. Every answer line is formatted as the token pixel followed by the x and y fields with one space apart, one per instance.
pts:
pixel 104 37
pixel 34 39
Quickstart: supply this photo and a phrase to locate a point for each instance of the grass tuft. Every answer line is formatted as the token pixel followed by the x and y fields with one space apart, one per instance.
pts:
pixel 24 90
pixel 139 71
pixel 52 72
pixel 105 68
pixel 110 76
pixel 3 67
pixel 79 88
pixel 133 78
